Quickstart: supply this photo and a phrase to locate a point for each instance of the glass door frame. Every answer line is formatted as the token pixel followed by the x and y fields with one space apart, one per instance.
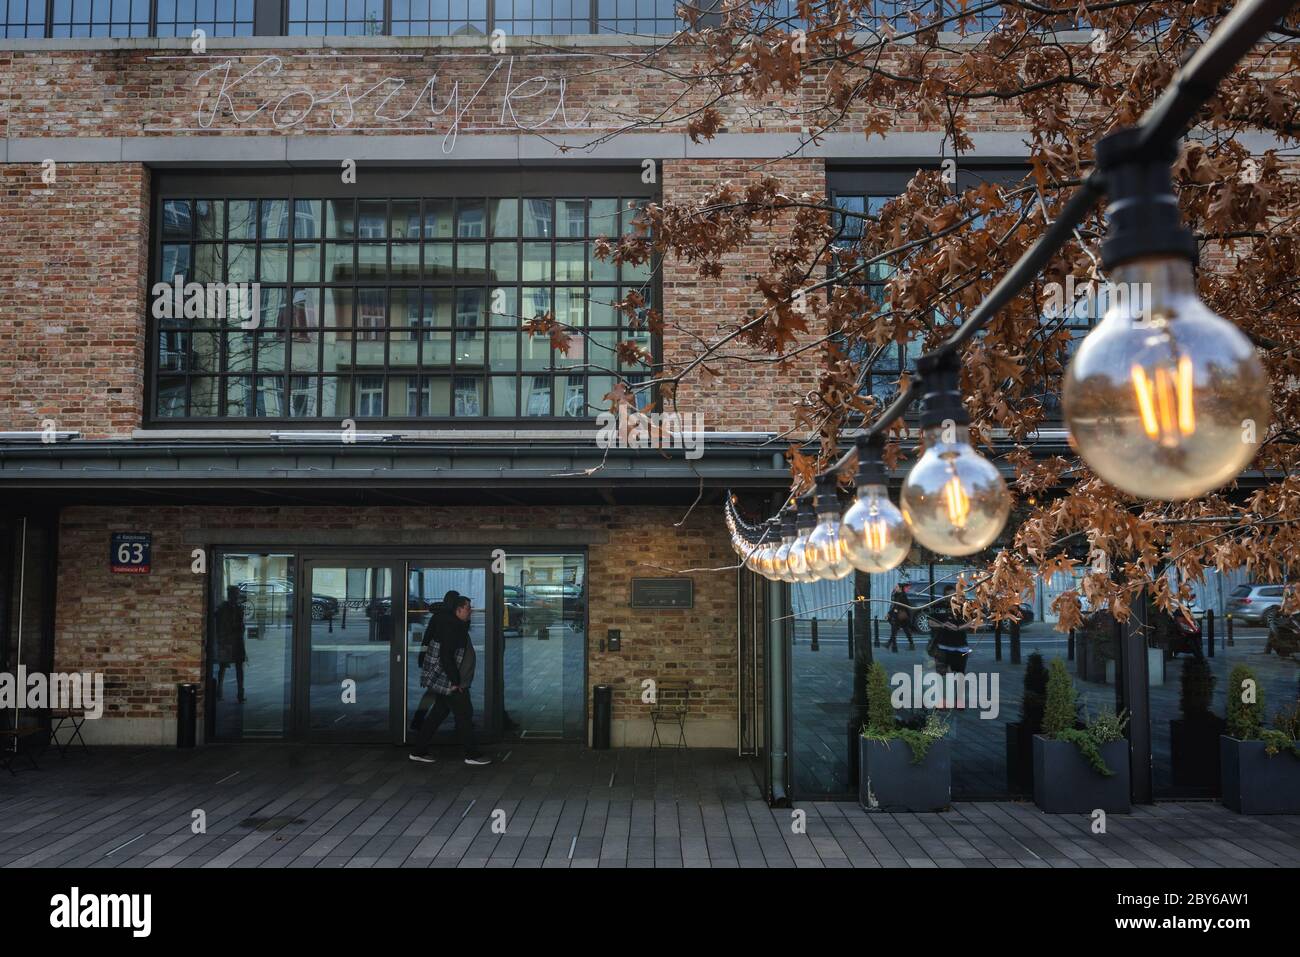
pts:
pixel 490 666
pixel 300 712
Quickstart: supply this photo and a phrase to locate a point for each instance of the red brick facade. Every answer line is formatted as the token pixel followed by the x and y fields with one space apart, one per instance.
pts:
pixel 145 632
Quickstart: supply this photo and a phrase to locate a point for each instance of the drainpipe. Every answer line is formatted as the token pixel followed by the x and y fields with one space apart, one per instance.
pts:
pixel 778 702
pixel 778 680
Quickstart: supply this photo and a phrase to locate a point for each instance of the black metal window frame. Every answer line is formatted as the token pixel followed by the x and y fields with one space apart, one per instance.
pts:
pixel 300 395
pixel 64 19
pixel 61 19
pixel 869 188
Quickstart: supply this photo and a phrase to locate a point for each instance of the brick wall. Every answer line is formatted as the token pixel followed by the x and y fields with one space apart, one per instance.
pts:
pixel 744 396
pixel 144 632
pixel 73 266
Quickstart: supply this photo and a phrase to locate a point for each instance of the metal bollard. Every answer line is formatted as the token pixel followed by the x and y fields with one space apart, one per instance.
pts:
pixel 1015 641
pixel 1231 641
pixel 1209 630
pixel 997 641
pixel 1069 647
pixel 850 633
pixel 602 713
pixel 187 713
pixel 875 632
pixel 814 646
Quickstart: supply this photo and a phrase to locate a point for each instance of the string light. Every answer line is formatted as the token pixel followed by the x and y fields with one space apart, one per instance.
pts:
pixel 954 499
pixel 805 522
pixel 876 536
pixel 1164 399
pixel 824 553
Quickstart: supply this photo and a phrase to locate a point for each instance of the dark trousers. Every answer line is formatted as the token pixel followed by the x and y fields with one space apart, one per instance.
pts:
pixel 458 704
pixel 894 628
pixel 239 677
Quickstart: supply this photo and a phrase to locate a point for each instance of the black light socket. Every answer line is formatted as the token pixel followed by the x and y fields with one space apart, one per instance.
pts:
pixel 807 518
pixel 828 496
pixel 871 464
pixel 1142 208
pixel 941 390
pixel 788 527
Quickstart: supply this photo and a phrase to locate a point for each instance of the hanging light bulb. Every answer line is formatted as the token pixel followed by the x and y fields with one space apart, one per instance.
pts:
pixel 781 560
pixel 824 553
pixel 767 555
pixel 1164 399
pixel 876 537
pixel 805 522
pixel 954 499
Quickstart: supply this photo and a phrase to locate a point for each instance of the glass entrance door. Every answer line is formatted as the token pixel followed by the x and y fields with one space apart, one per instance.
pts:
pixel 428 585
pixel 350 649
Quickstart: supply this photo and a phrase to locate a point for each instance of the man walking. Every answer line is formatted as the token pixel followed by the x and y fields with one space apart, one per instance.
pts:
pixel 900 617
pixel 448 673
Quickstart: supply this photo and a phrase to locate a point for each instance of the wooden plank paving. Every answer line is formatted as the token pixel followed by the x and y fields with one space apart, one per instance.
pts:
pixel 555 805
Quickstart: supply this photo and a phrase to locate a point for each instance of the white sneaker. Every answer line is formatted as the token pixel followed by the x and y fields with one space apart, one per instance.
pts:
pixel 479 760
pixel 421 758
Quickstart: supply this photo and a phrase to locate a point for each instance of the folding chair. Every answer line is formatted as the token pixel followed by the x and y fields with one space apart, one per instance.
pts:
pixel 74 719
pixel 672 700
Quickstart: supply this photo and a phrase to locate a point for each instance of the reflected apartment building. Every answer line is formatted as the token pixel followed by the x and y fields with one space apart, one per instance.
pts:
pixel 297 495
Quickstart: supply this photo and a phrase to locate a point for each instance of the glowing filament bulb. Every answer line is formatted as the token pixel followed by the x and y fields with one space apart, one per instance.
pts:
pixel 1166 405
pixel 958 502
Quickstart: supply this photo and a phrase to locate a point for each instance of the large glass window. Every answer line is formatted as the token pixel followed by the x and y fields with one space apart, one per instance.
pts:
pixel 217 18
pixel 22 18
pixel 100 18
pixel 402 307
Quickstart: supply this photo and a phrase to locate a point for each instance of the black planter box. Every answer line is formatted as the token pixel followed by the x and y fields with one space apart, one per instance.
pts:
pixel 1257 783
pixel 1194 751
pixel 1065 783
pixel 889 781
pixel 1020 758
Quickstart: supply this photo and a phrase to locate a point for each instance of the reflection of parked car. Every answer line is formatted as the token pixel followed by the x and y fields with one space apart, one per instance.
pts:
pixel 924 601
pixel 261 599
pixel 567 596
pixel 1255 604
pixel 1284 636
pixel 516 605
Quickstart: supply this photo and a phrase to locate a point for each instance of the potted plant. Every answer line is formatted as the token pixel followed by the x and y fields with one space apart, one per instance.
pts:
pixel 1020 734
pixel 1259 767
pixel 1078 770
pixel 903 766
pixel 1193 738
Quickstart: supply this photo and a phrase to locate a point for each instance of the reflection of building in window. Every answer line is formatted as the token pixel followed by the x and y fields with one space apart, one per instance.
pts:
pixel 370 395
pixel 417 395
pixel 431 294
pixel 468 401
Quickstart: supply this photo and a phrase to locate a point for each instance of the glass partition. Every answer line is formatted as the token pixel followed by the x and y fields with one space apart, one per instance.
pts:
pixel 544 619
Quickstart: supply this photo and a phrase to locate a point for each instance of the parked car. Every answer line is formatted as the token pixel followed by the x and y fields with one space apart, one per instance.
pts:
pixel 1284 636
pixel 1255 604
